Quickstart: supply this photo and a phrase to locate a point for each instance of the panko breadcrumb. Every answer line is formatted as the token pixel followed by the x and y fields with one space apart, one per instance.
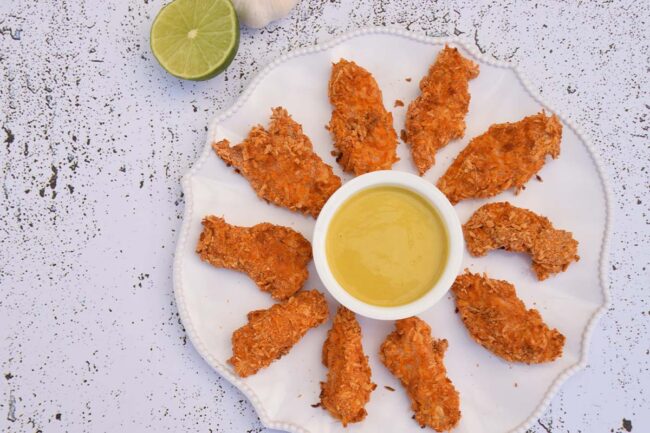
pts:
pixel 506 156
pixel 360 125
pixel 499 321
pixel 347 389
pixel 281 165
pixel 416 360
pixel 502 225
pixel 270 334
pixel 274 257
pixel 437 115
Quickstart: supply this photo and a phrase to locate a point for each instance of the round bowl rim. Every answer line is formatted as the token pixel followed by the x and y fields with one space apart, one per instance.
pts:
pixel 426 190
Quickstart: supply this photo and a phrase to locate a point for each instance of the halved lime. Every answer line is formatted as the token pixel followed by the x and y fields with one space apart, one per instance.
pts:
pixel 195 39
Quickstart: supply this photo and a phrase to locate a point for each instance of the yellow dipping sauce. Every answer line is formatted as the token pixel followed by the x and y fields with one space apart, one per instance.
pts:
pixel 387 246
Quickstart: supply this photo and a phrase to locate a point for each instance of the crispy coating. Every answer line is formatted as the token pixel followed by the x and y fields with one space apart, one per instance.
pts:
pixel 275 257
pixel 361 127
pixel 416 360
pixel 437 116
pixel 281 165
pixel 506 156
pixel 270 334
pixel 501 225
pixel 497 319
pixel 348 385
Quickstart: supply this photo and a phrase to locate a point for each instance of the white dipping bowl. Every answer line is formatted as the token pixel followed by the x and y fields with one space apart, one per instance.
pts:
pixel 437 200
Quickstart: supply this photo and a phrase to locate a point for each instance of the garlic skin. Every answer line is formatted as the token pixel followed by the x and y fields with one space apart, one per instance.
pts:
pixel 258 13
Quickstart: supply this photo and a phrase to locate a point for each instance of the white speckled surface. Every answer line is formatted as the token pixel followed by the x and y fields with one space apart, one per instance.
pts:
pixel 94 137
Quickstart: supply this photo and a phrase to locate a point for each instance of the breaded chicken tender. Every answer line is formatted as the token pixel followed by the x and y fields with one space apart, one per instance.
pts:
pixel 506 156
pixel 361 127
pixel 270 334
pixel 502 225
pixel 281 165
pixel 274 257
pixel 347 389
pixel 437 116
pixel 416 360
pixel 497 319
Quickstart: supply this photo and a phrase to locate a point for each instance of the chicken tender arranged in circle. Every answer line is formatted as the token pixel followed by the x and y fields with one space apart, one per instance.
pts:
pixel 347 389
pixel 361 127
pixel 499 321
pixel 502 225
pixel 506 156
pixel 270 334
pixel 437 115
pixel 281 165
pixel 416 359
pixel 274 257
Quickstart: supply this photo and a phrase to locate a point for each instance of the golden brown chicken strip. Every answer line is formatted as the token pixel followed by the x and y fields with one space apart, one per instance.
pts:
pixel 437 116
pixel 502 225
pixel 348 385
pixel 281 165
pixel 497 319
pixel 361 127
pixel 275 257
pixel 506 156
pixel 270 334
pixel 416 360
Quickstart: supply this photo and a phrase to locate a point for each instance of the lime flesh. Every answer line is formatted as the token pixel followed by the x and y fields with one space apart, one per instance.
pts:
pixel 195 39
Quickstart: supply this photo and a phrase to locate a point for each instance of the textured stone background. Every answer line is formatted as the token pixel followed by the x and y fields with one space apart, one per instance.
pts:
pixel 95 136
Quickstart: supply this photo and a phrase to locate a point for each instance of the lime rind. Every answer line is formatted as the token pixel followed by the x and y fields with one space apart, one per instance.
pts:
pixel 212 47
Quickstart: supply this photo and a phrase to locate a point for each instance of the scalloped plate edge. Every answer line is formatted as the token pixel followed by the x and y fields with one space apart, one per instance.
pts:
pixel 454 40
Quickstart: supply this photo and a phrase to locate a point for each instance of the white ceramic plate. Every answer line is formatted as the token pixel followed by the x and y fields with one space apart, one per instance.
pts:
pixel 496 396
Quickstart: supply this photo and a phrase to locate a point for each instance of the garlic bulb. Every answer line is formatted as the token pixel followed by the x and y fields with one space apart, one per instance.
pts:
pixel 258 13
